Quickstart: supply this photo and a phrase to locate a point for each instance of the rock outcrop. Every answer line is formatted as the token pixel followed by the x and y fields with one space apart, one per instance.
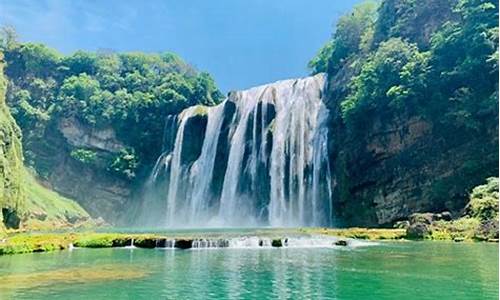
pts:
pixel 402 164
pixel 99 190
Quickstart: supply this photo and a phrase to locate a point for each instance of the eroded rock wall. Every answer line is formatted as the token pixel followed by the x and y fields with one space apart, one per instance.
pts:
pixel 403 164
pixel 100 191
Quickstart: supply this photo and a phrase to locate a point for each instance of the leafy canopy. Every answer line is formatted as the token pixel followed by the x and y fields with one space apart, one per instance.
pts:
pixel 131 92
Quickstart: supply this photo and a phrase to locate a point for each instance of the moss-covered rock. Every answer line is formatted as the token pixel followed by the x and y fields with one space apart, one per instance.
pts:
pixel 11 162
pixel 277 243
pixel 479 222
pixel 360 233
pixel 418 230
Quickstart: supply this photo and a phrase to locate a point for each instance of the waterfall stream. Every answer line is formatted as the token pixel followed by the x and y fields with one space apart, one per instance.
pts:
pixel 260 158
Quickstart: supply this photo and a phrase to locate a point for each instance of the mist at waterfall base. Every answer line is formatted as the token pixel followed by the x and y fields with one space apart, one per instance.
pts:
pixel 259 158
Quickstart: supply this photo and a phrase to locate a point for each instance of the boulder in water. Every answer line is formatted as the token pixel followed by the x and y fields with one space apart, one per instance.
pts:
pixel 145 243
pixel 162 242
pixel 122 242
pixel 341 243
pixel 418 230
pixel 183 244
pixel 277 243
pixel 402 224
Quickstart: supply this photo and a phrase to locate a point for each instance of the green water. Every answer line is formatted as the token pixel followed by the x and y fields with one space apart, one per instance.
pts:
pixel 400 270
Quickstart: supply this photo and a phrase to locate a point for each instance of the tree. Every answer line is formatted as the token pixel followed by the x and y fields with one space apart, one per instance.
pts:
pixel 8 37
pixel 393 77
pixel 350 31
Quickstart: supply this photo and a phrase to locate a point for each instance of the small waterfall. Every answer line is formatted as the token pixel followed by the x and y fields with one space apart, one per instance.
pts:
pixel 259 158
pixel 259 242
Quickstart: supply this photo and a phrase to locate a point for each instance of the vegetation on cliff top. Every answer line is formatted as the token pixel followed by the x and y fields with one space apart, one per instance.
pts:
pixel 130 92
pixel 446 67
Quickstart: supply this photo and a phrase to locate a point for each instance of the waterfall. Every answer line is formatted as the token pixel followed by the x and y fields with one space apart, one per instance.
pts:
pixel 260 158
pixel 202 170
pixel 232 210
pixel 176 168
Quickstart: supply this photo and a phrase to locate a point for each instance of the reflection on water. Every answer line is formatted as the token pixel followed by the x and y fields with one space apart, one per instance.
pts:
pixel 386 271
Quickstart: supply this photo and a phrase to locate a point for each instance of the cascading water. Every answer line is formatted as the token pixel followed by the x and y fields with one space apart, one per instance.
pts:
pixel 263 160
pixel 202 169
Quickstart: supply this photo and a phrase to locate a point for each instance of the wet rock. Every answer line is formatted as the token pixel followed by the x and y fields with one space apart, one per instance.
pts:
pixel 402 224
pixel 183 244
pixel 446 216
pixel 39 215
pixel 100 222
pixel 341 243
pixel 122 242
pixel 195 127
pixel 418 230
pixel 424 218
pixel 277 243
pixel 145 243
pixel 73 219
pixel 487 230
pixel 11 218
pixel 161 243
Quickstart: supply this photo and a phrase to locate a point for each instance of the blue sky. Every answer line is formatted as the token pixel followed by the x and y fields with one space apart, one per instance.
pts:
pixel 242 43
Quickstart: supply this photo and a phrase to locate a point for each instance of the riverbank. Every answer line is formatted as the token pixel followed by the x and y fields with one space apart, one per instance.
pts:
pixel 17 243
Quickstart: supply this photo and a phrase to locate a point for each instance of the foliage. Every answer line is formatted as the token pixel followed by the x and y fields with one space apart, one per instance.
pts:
pixel 125 163
pixel 360 233
pixel 436 58
pixel 460 229
pixel 131 92
pixel 483 203
pixel 480 221
pixel 394 77
pixel 412 20
pixel 11 159
pixel 84 155
pixel 353 32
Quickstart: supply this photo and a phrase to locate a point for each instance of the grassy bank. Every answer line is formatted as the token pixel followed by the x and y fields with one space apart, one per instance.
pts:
pixel 42 242
pixel 45 209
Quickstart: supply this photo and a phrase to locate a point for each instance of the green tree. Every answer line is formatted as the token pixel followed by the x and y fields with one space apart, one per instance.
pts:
pixel 393 77
pixel 351 31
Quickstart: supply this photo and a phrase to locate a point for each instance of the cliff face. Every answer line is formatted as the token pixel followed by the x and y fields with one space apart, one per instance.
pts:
pixel 101 192
pixel 404 164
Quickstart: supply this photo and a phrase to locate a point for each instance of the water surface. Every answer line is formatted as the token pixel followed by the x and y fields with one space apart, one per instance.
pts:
pixel 399 270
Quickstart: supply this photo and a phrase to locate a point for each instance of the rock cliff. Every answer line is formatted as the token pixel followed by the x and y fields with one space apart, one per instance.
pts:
pixel 99 190
pixel 403 164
